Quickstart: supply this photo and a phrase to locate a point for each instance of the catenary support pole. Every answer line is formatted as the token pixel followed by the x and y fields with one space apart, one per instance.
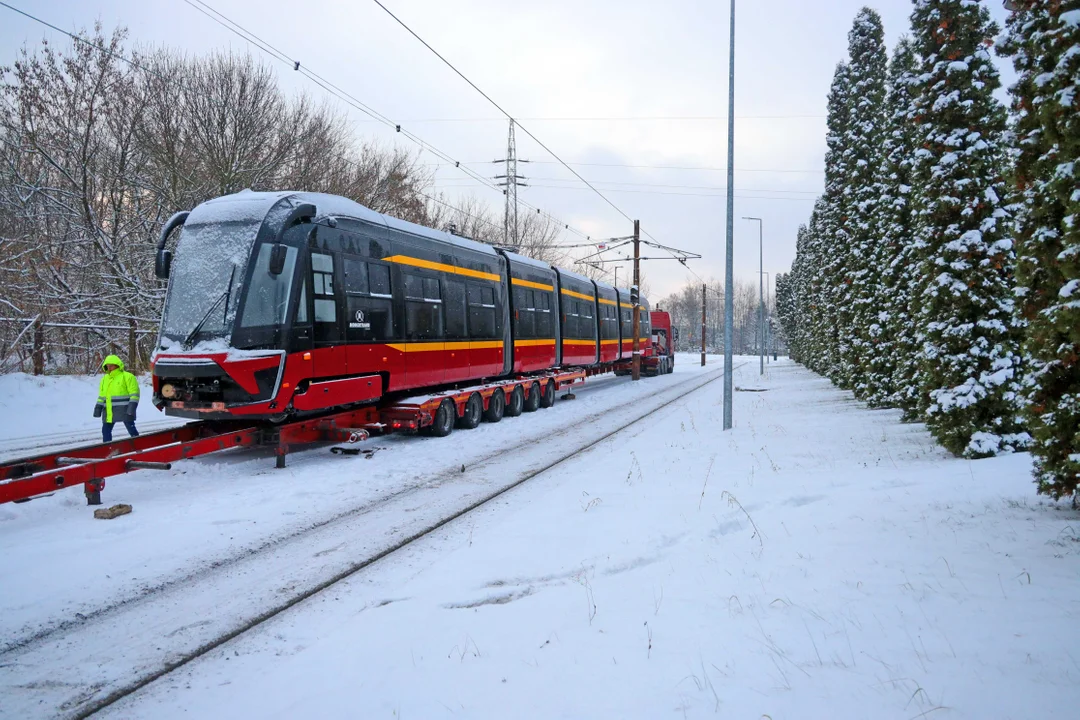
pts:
pixel 703 325
pixel 760 334
pixel 635 298
pixel 729 269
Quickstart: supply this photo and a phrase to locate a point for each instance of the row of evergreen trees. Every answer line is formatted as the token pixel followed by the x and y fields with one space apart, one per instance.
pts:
pixel 940 270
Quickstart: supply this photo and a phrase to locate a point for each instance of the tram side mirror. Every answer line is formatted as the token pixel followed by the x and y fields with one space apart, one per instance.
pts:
pixel 675 334
pixel 162 263
pixel 277 259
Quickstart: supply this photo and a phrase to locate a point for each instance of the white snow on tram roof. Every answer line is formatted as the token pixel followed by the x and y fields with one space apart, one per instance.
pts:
pixel 251 206
pixel 244 206
pixel 526 260
pixel 575 276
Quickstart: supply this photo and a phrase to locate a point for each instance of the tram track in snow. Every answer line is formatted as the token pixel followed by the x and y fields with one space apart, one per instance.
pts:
pixel 62 669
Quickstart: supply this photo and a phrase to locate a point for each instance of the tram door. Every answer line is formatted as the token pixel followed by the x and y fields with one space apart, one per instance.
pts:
pixel 329 355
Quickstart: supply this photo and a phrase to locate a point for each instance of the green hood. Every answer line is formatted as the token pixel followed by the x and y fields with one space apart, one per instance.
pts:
pixel 113 360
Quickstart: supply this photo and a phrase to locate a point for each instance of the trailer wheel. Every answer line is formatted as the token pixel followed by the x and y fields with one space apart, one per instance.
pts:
pixel 532 403
pixel 548 398
pixel 496 407
pixel 516 403
pixel 474 410
pixel 443 422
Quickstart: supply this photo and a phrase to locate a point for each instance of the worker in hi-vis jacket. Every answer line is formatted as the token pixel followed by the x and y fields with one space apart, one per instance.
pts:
pixel 118 398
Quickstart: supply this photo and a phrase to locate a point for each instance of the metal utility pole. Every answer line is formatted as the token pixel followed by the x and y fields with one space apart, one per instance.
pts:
pixel 702 325
pixel 729 271
pixel 635 298
pixel 761 287
pixel 768 312
pixel 511 181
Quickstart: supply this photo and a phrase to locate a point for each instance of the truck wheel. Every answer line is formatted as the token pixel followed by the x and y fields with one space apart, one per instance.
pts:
pixel 496 407
pixel 532 402
pixel 548 398
pixel 443 422
pixel 516 404
pixel 474 410
pixel 671 365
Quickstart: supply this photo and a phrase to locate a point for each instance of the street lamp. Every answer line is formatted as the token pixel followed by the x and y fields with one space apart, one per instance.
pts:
pixel 729 263
pixel 761 286
pixel 768 310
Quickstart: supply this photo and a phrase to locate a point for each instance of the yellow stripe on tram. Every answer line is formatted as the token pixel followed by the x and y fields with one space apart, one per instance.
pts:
pixel 578 295
pixel 530 284
pixel 605 301
pixel 442 267
pixel 533 343
pixel 581 343
pixel 437 346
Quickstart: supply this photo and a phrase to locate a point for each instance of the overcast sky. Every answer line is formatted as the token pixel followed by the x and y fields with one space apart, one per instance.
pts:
pixel 588 77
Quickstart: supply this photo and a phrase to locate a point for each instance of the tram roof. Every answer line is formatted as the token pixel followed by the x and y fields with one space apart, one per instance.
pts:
pixel 249 206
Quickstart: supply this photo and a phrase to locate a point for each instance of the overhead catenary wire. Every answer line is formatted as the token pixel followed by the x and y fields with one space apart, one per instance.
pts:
pixel 504 112
pixel 258 43
pixel 349 99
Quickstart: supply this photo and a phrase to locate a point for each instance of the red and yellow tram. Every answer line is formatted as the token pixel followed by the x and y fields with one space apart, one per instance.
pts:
pixel 289 303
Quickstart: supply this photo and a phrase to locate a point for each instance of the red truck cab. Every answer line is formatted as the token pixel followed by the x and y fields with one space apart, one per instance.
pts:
pixel 661 358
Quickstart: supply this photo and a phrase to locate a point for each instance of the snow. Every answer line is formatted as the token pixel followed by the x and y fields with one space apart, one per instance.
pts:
pixel 819 560
pixel 39 412
pixel 1070 18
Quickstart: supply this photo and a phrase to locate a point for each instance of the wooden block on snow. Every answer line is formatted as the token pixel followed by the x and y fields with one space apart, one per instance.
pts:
pixel 114 511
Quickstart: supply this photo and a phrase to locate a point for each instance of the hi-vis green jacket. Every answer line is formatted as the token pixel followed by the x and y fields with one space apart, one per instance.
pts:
pixel 118 395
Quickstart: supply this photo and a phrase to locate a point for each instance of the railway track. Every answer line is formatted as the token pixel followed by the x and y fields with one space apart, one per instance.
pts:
pixel 79 667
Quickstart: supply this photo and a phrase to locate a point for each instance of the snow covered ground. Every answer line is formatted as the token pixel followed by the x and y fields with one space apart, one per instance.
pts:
pixel 37 413
pixel 820 560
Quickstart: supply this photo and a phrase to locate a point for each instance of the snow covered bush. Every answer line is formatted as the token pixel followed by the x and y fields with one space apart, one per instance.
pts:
pixel 1044 42
pixel 969 363
pixel 859 287
pixel 893 369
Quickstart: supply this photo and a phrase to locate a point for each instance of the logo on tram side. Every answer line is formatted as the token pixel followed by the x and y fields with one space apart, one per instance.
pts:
pixel 360 324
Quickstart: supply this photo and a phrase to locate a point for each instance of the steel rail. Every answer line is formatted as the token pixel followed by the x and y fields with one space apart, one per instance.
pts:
pixel 352 569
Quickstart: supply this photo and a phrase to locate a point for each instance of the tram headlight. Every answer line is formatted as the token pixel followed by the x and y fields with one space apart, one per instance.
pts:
pixel 168 391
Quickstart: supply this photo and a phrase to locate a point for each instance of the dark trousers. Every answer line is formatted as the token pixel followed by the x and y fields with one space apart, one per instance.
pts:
pixel 106 429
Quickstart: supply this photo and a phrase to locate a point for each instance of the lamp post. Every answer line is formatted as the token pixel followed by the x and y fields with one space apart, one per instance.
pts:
pixel 761 285
pixel 768 313
pixel 729 263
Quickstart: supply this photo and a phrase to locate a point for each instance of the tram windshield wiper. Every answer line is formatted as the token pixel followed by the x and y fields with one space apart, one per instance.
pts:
pixel 223 296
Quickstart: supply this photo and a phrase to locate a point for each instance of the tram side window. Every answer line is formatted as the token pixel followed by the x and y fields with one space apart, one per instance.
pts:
pixel 322 275
pixel 455 308
pixel 379 280
pixel 570 323
pixel 524 307
pixel 544 327
pixel 644 324
pixel 423 308
pixel 609 328
pixel 482 323
pixel 370 316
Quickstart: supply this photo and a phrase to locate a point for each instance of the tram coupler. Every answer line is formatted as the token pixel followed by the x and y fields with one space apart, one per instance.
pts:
pixel 93 490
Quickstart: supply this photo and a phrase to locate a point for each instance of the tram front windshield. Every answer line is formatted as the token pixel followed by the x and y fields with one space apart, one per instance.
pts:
pixel 205 280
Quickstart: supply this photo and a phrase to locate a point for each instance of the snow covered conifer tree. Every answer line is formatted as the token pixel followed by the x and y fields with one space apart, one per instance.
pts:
pixel 969 364
pixel 831 236
pixel 858 283
pixel 817 294
pixel 1044 41
pixel 893 361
